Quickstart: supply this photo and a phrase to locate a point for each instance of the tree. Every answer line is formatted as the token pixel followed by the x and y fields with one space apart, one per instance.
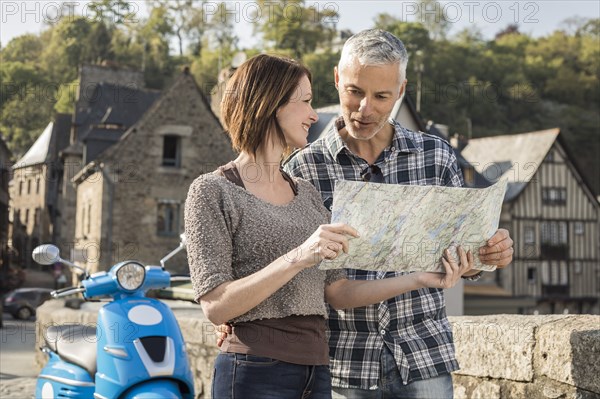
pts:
pixel 186 18
pixel 18 78
pixel 65 102
pixel 290 25
pixel 66 50
pixel 25 48
pixel 321 66
pixel 154 36
pixel 23 118
pixel 432 15
pixel 98 43
pixel 220 37
pixel 112 12
pixel 414 35
pixel 25 105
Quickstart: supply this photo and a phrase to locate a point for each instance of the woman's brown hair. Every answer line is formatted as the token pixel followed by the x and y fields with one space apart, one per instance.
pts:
pixel 254 94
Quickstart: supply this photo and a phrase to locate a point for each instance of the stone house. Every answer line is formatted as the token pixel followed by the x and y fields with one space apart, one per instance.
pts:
pixel 130 196
pixel 42 195
pixel 109 100
pixel 34 191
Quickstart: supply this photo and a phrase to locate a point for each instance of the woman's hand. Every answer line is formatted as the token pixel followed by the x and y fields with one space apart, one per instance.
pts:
pixel 455 269
pixel 222 331
pixel 327 242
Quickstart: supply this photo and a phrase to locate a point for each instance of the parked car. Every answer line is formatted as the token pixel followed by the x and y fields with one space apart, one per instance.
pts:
pixel 22 302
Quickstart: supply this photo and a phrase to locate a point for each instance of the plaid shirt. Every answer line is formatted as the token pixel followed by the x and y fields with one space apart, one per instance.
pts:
pixel 413 325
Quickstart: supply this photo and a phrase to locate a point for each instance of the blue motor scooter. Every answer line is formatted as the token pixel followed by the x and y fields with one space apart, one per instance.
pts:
pixel 136 349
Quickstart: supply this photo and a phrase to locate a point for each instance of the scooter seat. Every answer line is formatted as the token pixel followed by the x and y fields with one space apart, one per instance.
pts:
pixel 74 343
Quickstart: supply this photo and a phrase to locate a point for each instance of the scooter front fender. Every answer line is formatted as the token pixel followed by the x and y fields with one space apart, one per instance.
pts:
pixel 154 389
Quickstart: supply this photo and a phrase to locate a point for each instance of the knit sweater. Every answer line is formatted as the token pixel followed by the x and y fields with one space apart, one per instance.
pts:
pixel 231 234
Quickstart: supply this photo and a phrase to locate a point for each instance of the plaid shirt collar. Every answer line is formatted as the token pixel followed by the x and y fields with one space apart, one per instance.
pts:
pixel 401 142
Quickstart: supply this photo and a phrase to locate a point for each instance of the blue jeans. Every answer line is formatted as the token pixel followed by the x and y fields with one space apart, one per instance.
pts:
pixel 240 376
pixel 390 385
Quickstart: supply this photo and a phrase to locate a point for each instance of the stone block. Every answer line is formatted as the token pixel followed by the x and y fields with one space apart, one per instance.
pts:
pixel 497 346
pixel 568 351
pixel 486 390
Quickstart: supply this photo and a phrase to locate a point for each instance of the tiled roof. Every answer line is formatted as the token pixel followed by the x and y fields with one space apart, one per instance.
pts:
pixel 112 104
pixel 515 157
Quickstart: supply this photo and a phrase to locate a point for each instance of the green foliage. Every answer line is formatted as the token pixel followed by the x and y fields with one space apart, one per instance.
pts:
pixel 513 83
pixel 25 48
pixel 25 104
pixel 66 97
pixel 321 67
pixel 187 20
pixel 111 12
pixel 66 49
pixel 413 34
pixel 24 117
pixel 291 25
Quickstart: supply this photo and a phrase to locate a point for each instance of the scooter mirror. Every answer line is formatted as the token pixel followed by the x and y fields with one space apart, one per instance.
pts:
pixel 46 254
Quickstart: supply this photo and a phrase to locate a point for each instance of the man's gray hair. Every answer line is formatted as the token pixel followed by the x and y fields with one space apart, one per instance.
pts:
pixel 375 47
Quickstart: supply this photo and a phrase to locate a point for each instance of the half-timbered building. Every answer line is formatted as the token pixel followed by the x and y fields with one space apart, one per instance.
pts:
pixel 553 217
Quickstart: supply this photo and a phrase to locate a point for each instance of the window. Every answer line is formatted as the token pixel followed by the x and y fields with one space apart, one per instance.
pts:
pixel 554 196
pixel 554 233
pixel 579 230
pixel 167 221
pixel 37 185
pixel 553 240
pixel 26 216
pixel 555 273
pixel 531 275
pixel 171 151
pixel 21 187
pixel 28 186
pixel 529 235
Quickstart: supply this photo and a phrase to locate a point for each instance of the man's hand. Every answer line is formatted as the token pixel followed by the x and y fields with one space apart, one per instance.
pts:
pixel 498 251
pixel 222 331
pixel 455 265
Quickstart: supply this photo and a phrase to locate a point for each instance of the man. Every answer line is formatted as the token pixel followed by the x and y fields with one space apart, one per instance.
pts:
pixel 401 348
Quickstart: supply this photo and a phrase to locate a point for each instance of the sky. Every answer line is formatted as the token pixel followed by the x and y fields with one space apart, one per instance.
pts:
pixel 537 18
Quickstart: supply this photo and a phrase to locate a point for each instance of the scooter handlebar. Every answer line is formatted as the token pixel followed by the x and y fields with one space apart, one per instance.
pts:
pixel 66 291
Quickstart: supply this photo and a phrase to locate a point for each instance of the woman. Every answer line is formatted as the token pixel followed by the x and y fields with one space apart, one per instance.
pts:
pixel 255 236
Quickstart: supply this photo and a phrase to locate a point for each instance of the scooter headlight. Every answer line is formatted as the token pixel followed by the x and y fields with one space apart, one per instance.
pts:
pixel 131 276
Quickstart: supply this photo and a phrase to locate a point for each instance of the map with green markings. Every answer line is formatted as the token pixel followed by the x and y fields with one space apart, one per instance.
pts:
pixel 407 227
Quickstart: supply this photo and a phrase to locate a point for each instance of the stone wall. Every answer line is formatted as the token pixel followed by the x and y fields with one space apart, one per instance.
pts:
pixel 513 356
pixel 501 356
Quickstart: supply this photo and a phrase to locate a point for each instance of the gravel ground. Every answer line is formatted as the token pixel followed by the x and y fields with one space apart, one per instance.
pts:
pixel 17 388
